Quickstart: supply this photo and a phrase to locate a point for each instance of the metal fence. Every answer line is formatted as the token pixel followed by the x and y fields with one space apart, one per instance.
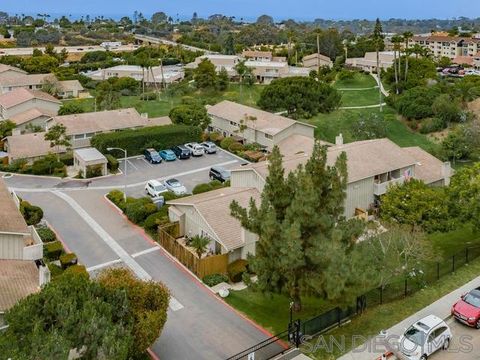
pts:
pixel 266 349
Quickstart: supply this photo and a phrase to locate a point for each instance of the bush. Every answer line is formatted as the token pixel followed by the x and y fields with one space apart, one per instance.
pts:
pixel 236 147
pixel 236 269
pixel 148 96
pixel 116 196
pixel 48 165
pixel 113 163
pixel 67 260
pixel 94 171
pixel 76 269
pixel 432 125
pixel 53 250
pixel 201 188
pixel 46 234
pixel 67 159
pixel 137 140
pixel 227 142
pixel 139 209
pixel 214 279
pixel 157 218
pixel 55 270
pixel 31 213
pixel 216 137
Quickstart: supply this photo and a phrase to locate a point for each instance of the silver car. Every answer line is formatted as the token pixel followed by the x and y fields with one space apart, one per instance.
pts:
pixel 175 186
pixel 210 147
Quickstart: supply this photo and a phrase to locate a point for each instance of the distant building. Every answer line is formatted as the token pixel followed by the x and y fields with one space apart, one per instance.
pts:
pixel 448 46
pixel 21 100
pixel 12 81
pixel 369 61
pixel 167 74
pixel 314 61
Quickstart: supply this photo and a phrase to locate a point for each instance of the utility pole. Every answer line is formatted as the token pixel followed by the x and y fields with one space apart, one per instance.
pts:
pixel 318 51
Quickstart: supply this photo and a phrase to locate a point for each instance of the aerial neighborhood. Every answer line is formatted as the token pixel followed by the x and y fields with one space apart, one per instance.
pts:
pixel 222 187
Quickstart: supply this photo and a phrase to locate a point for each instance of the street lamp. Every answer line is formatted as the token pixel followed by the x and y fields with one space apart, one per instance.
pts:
pixel 291 311
pixel 125 172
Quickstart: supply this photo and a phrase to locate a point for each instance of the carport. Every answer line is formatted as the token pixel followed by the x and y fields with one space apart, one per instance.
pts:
pixel 90 161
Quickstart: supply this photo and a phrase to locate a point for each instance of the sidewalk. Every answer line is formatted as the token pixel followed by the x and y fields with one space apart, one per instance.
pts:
pixel 440 308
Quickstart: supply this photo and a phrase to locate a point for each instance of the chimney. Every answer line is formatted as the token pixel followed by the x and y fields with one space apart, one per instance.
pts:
pixel 446 172
pixel 339 140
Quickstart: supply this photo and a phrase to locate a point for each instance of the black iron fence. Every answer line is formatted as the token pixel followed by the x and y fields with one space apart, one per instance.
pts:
pixel 395 290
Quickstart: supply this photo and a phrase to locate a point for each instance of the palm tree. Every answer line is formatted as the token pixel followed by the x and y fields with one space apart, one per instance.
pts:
pixel 378 41
pixel 200 244
pixel 396 40
pixel 407 35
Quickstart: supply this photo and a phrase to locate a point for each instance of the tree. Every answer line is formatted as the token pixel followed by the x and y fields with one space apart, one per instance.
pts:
pixel 378 37
pixel 416 204
pixel 369 126
pixel 300 247
pixel 229 46
pixel 194 115
pixel 51 86
pixel 71 107
pixel 200 244
pixel 205 75
pixel 159 18
pixel 265 20
pixel 148 305
pixel 396 41
pixel 40 64
pixel 407 36
pixel 223 80
pixel 57 135
pixel 299 96
pixel 6 128
pixel 447 109
pixel 107 96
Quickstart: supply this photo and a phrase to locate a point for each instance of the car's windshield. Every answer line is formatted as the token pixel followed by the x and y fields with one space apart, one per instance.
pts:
pixel 472 300
pixel 154 154
pixel 174 183
pixel 159 188
pixel 416 335
pixel 225 173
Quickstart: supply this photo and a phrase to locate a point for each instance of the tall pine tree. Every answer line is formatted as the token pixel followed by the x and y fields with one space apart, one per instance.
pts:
pixel 301 247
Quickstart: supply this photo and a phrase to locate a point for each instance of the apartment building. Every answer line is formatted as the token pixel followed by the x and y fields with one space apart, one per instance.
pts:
pixel 154 75
pixel 314 61
pixel 448 46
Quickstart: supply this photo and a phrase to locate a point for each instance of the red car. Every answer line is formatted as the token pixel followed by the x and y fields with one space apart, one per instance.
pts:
pixel 467 310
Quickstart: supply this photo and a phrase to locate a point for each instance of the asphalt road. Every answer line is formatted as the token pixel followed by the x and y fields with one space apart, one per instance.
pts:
pixel 200 325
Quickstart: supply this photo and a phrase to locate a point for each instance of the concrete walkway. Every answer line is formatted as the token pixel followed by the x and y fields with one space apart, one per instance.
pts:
pixel 361 107
pixel 440 308
pixel 384 92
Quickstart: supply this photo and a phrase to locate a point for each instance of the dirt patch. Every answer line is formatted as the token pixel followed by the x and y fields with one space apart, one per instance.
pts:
pixel 474 106
pixel 438 136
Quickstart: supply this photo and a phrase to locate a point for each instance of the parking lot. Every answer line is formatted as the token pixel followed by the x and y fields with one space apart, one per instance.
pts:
pixel 189 172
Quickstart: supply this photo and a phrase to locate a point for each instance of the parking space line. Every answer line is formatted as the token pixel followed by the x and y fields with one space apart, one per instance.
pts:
pixel 131 164
pixel 104 265
pixel 174 304
pixel 148 163
pixel 144 252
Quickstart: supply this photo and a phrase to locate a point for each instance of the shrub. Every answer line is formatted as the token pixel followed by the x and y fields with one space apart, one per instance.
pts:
pixel 47 165
pixel 113 163
pixel 76 269
pixel 215 279
pixel 67 260
pixel 53 250
pixel 236 269
pixel 115 196
pixel 137 140
pixel 432 125
pixel 31 213
pixel 139 209
pixel 167 196
pixel 157 218
pixel 46 234
pixel 67 159
pixel 236 147
pixel 201 188
pixel 227 142
pixel 216 137
pixel 55 270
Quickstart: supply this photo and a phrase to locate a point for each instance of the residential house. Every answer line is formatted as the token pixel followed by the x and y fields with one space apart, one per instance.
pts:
pixel 373 166
pixel 32 120
pixel 7 70
pixel 369 61
pixel 252 125
pixel 20 245
pixel 314 61
pixel 228 62
pixel 257 55
pixel 154 75
pixel 68 89
pixel 20 100
pixel 10 82
pixel 448 46
pixel 29 146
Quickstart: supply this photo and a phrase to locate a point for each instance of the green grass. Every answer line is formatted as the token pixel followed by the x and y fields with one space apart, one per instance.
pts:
pixel 273 311
pixel 455 241
pixel 360 80
pixel 248 95
pixel 360 97
pixel 340 121
pixel 385 316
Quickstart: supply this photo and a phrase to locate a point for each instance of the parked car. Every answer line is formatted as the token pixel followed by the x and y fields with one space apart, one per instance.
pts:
pixel 467 309
pixel 425 337
pixel 175 186
pixel 219 173
pixel 152 156
pixel 168 155
pixel 154 188
pixel 181 152
pixel 210 147
pixel 195 149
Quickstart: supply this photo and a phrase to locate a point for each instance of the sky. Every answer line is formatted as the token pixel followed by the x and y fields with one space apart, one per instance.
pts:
pixel 250 9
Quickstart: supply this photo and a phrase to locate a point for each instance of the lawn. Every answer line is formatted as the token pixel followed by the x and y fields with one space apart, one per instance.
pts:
pixel 455 241
pixel 385 316
pixel 359 97
pixel 340 121
pixel 360 80
pixel 247 95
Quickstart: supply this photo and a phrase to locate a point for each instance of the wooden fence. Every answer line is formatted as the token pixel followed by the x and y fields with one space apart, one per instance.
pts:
pixel 214 264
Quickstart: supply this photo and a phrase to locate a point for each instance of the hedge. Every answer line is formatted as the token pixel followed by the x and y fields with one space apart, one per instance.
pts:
pixel 137 210
pixel 31 213
pixel 214 279
pixel 137 140
pixel 212 185
pixel 160 217
pixel 53 250
pixel 76 269
pixel 46 234
pixel 113 163
pixel 236 269
pixel 55 270
pixel 67 260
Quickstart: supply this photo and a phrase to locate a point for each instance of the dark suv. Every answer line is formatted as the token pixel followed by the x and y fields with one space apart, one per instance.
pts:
pixel 219 173
pixel 182 152
pixel 152 156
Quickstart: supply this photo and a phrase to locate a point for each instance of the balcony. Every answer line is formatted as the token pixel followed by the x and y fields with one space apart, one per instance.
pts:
pixel 382 187
pixel 34 249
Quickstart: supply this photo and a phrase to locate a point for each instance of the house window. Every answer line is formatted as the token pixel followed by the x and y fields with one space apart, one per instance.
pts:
pixel 268 136
pixel 79 136
pixel 89 135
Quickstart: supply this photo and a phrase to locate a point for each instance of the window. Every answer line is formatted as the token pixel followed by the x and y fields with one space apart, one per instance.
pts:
pixel 79 136
pixel 89 135
pixel 268 136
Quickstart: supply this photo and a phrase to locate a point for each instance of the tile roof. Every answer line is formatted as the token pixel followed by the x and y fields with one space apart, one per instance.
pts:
pixel 70 85
pixel 428 168
pixel 364 159
pixel 214 207
pixel 21 95
pixel 295 144
pixel 105 121
pixel 5 68
pixel 25 79
pixel 89 154
pixel 27 146
pixel 265 121
pixel 257 53
pixel 29 115
pixel 11 221
pixel 18 279
pixel 315 55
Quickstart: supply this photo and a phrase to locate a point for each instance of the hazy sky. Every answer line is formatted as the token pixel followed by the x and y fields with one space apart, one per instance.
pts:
pixel 280 9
